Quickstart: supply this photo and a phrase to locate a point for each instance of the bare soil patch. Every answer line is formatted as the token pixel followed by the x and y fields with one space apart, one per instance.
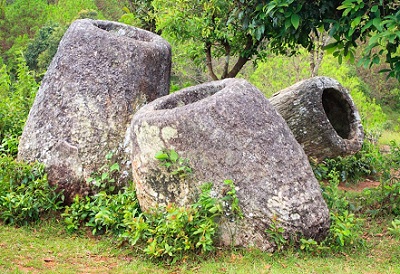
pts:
pixel 359 186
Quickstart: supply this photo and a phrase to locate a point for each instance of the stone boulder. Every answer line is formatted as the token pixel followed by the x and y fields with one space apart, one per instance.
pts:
pixel 101 74
pixel 322 116
pixel 228 130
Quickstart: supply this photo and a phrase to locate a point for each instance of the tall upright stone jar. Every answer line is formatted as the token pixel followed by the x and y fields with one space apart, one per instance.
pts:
pixel 101 74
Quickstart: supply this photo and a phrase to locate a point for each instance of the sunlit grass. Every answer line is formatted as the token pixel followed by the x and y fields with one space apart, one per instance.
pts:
pixel 47 248
pixel 388 136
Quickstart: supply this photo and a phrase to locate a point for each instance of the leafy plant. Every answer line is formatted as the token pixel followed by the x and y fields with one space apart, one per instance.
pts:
pixel 367 162
pixel 277 235
pixel 106 177
pixel 344 231
pixel 25 194
pixel 9 145
pixel 164 231
pixel 175 165
pixel 170 231
pixel 333 198
pixel 383 200
pixel 103 213
pixel 312 246
pixel 231 201
pixel 345 228
pixel 395 228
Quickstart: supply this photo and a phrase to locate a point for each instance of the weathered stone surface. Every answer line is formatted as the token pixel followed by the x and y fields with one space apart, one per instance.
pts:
pixel 100 75
pixel 228 130
pixel 322 117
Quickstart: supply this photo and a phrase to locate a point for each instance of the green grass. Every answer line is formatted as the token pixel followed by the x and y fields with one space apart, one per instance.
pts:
pixel 47 248
pixel 392 131
pixel 388 136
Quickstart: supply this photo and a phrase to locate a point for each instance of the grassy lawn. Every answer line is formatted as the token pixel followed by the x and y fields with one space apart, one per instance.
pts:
pixel 388 136
pixel 47 248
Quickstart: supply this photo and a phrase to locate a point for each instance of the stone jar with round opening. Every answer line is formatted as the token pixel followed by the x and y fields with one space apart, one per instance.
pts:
pixel 101 74
pixel 229 131
pixel 322 116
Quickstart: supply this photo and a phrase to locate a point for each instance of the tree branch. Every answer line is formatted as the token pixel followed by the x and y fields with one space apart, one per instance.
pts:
pixel 242 60
pixel 209 61
pixel 227 59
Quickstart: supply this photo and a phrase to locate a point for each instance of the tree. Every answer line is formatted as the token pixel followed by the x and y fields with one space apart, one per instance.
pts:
pixel 249 30
pixel 21 17
pixel 41 50
pixel 209 27
pixel 140 13
pixel 374 22
pixel 241 29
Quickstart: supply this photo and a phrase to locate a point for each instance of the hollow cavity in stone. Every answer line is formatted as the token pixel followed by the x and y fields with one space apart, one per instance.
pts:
pixel 338 111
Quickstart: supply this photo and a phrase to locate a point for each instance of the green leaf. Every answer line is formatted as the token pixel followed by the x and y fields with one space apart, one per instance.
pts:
pixel 271 6
pixel 288 23
pixel 161 155
pixel 173 156
pixel 109 155
pixel 115 166
pixel 355 22
pixel 295 19
pixel 104 176
pixel 377 23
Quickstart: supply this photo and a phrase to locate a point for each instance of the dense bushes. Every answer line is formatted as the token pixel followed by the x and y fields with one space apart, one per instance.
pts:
pixel 368 162
pixel 172 231
pixel 16 98
pixel 25 194
pixel 165 231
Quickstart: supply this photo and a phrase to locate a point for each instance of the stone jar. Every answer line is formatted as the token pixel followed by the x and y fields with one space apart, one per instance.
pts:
pixel 322 116
pixel 228 130
pixel 101 74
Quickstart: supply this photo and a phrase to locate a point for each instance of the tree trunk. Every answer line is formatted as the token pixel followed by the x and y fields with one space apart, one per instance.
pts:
pixel 320 39
pixel 322 117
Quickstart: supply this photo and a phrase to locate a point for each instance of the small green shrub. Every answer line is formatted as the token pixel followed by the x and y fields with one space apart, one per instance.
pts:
pixel 345 229
pixel 165 231
pixel 170 231
pixel 106 178
pixel 25 194
pixel 175 165
pixel 394 229
pixel 335 200
pixel 103 213
pixel 276 235
pixel 367 162
pixel 231 202
pixel 382 200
